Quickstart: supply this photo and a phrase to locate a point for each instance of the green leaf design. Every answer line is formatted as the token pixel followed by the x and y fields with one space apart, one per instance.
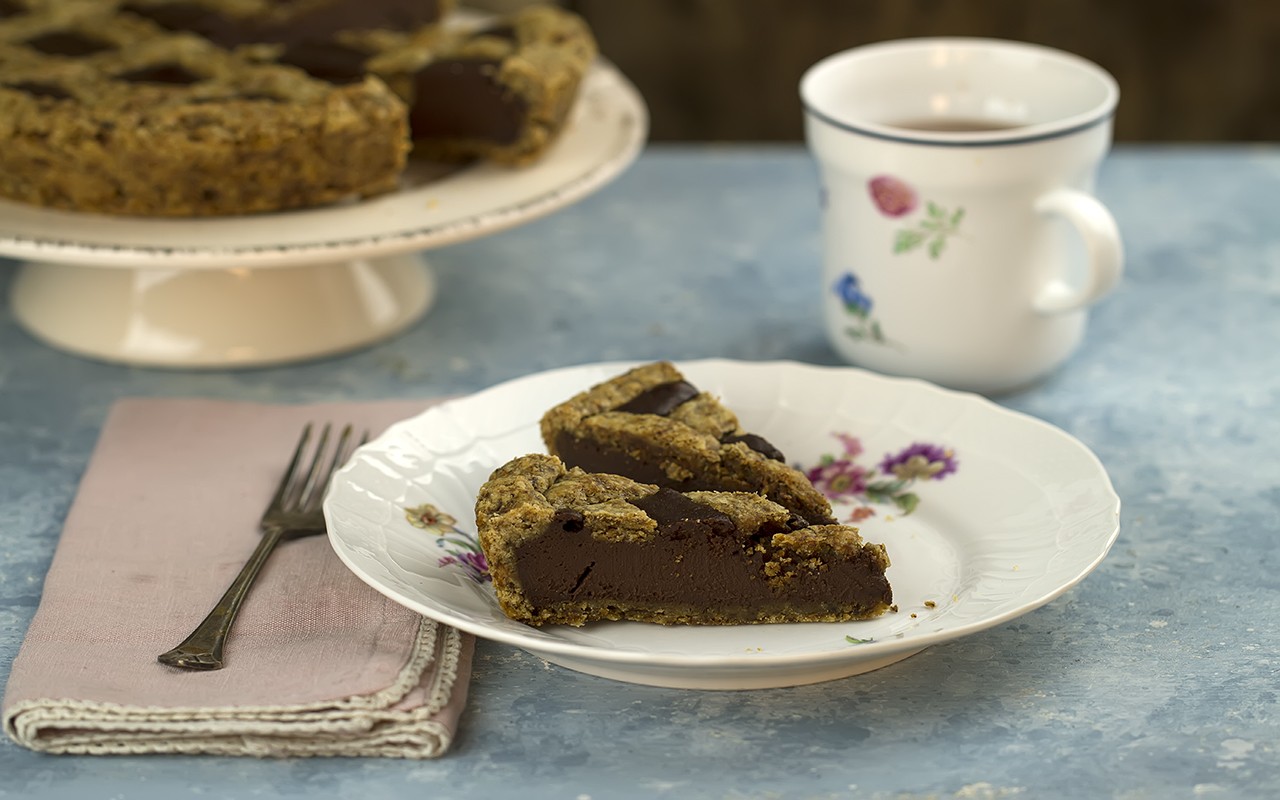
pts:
pixel 935 228
pixel 855 640
pixel 906 502
pixel 907 240
pixel 878 496
pixel 887 487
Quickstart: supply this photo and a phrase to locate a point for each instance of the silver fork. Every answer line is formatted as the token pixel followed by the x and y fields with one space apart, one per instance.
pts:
pixel 294 512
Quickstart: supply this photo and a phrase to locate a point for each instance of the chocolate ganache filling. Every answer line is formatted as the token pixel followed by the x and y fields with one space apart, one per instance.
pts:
pixel 697 554
pixel 462 98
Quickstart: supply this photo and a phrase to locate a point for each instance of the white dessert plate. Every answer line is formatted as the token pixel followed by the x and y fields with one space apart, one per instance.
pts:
pixel 986 515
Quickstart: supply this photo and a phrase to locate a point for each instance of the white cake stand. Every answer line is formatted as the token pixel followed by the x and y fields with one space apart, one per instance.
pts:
pixel 285 287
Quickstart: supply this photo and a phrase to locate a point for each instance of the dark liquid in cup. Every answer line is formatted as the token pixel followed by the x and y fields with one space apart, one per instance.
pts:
pixel 953 124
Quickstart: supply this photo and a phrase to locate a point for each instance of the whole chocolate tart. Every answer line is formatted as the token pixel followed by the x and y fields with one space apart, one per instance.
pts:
pixel 571 547
pixel 215 107
pixel 107 112
pixel 653 426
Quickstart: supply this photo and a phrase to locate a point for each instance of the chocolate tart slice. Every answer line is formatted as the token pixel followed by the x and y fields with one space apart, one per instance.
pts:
pixel 652 425
pixel 569 547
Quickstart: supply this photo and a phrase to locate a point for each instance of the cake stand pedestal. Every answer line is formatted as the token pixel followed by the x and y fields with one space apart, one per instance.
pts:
pixel 229 317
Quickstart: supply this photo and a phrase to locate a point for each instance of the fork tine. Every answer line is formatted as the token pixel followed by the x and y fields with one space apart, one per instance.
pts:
pixel 290 473
pixel 298 499
pixel 315 492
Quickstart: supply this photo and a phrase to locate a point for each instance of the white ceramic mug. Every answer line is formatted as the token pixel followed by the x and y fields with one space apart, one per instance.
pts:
pixel 962 243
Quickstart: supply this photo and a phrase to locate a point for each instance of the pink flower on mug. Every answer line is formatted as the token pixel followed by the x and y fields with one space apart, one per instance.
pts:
pixel 893 196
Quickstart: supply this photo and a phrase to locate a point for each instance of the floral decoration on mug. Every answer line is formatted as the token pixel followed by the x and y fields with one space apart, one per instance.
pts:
pixel 896 198
pixel 461 548
pixel 857 304
pixel 842 479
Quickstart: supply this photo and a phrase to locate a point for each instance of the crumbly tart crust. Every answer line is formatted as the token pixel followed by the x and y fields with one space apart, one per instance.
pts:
pixel 652 425
pixel 570 547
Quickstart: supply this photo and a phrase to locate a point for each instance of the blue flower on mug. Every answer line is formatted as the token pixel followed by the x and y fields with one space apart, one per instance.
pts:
pixel 851 294
pixel 857 304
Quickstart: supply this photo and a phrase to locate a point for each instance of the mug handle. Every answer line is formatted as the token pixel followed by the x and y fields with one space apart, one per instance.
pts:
pixel 1102 243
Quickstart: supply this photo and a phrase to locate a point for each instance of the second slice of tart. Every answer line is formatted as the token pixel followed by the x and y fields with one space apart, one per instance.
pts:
pixel 652 425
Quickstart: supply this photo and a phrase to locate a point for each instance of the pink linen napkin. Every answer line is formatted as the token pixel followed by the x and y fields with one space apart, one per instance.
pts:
pixel 167 512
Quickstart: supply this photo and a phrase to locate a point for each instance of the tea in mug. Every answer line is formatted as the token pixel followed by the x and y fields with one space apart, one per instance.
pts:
pixel 954 125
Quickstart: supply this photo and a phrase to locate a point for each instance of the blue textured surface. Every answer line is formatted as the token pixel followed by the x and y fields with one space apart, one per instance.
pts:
pixel 1157 677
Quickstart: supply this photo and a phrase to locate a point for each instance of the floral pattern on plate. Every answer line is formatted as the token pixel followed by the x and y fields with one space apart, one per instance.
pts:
pixel 842 479
pixel 461 548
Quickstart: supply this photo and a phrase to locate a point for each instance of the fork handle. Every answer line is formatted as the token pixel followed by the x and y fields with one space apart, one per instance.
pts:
pixel 203 648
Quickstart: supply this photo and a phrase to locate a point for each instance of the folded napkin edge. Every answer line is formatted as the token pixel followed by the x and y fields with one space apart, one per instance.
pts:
pixel 350 726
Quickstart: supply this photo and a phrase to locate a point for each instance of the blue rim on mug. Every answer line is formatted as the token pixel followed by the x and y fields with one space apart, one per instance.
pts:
pixel 1099 113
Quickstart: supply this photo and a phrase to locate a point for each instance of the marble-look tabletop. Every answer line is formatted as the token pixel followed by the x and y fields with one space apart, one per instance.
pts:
pixel 1157 677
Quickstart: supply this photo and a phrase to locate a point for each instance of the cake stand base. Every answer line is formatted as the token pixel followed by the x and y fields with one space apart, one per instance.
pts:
pixel 218 318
